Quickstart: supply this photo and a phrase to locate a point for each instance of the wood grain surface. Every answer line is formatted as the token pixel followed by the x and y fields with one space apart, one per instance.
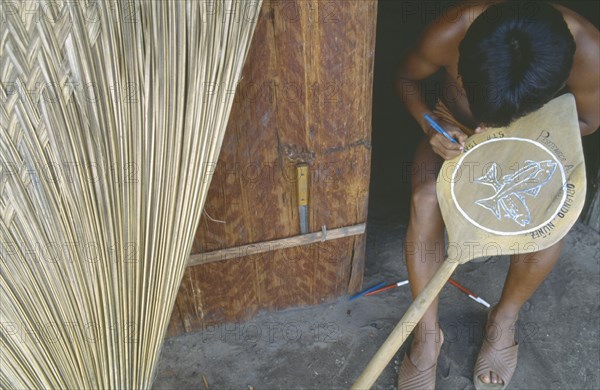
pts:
pixel 305 97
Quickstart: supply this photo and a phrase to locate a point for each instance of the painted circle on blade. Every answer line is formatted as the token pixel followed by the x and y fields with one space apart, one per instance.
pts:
pixel 508 186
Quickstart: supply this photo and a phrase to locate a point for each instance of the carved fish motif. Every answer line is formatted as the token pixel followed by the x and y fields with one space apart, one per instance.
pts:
pixel 509 200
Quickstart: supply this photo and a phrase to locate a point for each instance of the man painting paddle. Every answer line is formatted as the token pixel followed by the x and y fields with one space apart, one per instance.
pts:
pixel 504 59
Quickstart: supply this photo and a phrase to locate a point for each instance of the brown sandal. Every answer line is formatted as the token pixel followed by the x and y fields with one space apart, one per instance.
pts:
pixel 502 362
pixel 411 378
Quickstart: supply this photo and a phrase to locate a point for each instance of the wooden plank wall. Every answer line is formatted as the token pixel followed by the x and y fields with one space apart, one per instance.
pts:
pixel 305 97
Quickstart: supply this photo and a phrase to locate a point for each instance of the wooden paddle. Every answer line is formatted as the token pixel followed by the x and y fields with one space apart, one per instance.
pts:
pixel 514 190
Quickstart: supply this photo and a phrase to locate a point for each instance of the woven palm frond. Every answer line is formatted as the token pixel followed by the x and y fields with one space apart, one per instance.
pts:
pixel 111 120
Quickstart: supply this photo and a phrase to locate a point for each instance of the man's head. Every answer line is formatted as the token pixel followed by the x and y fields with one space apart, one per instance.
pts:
pixel 513 59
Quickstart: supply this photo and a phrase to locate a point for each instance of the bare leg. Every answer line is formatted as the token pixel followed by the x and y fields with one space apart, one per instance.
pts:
pixel 525 274
pixel 424 251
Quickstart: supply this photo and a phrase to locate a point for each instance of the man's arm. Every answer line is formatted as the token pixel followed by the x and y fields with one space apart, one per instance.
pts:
pixel 436 49
pixel 584 83
pixel 584 80
pixel 588 111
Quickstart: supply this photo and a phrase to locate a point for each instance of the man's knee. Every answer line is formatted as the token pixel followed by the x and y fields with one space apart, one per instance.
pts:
pixel 424 198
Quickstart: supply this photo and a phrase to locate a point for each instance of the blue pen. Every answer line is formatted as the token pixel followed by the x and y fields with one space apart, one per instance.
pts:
pixel 438 128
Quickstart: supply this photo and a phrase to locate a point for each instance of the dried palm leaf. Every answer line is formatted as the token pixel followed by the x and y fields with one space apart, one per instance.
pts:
pixel 112 118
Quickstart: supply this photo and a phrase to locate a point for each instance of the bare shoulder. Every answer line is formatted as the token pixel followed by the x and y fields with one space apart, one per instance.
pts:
pixel 584 79
pixel 586 63
pixel 440 41
pixel 580 27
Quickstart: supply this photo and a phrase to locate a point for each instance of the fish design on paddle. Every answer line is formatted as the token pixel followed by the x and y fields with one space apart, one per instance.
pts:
pixel 509 199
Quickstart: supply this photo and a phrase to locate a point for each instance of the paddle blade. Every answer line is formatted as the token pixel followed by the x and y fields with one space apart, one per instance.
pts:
pixel 516 189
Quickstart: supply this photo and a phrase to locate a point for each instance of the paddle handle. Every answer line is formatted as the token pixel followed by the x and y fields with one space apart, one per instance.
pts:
pixel 406 325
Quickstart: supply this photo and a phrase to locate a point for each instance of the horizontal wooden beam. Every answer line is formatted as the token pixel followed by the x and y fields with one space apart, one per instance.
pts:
pixel 268 246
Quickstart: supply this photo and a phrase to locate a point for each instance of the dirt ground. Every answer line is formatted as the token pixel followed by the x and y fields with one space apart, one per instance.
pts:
pixel 327 346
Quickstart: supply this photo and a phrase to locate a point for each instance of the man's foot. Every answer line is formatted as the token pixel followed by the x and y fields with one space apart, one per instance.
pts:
pixel 499 348
pixel 426 346
pixel 418 368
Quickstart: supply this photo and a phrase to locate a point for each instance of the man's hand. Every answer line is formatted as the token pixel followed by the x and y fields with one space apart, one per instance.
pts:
pixel 443 146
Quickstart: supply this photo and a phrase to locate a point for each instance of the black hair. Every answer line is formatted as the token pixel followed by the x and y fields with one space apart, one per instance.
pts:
pixel 514 58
